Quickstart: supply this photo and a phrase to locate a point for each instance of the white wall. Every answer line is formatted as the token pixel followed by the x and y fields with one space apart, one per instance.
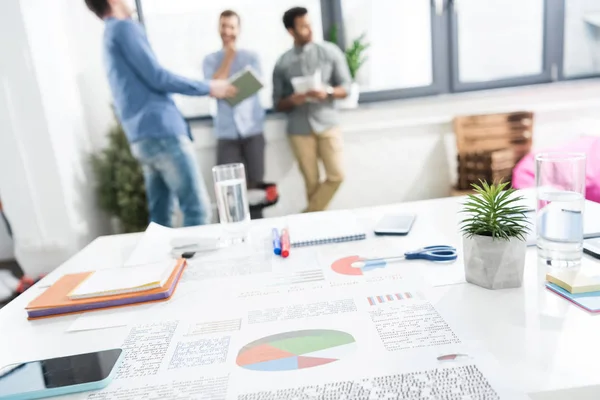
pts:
pixel 45 143
pixel 6 244
pixel 85 32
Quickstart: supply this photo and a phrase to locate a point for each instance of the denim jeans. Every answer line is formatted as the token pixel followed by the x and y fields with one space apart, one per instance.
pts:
pixel 171 171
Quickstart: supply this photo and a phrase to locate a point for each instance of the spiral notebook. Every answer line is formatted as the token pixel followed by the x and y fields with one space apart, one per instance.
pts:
pixel 324 228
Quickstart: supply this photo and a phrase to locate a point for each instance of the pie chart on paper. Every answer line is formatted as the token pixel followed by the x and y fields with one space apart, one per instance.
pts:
pixel 296 350
pixel 344 266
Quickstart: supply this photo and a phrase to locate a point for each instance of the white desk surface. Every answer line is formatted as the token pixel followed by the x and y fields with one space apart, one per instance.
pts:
pixel 547 345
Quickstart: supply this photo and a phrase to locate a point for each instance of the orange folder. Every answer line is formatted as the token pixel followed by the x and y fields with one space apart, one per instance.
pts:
pixel 55 301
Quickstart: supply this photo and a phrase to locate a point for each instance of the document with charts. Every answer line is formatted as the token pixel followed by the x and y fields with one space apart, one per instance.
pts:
pixel 375 342
pixel 286 332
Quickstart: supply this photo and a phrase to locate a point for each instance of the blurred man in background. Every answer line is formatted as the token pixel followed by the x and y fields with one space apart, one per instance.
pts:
pixel 313 123
pixel 159 136
pixel 239 129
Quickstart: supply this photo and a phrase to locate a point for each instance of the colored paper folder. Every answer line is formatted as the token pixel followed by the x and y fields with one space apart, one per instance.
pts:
pixel 588 303
pixel 55 300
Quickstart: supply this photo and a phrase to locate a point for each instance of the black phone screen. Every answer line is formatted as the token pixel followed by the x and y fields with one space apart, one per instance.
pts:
pixel 57 372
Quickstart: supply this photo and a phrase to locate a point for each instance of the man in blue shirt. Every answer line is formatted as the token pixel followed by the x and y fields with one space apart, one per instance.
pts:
pixel 239 129
pixel 157 132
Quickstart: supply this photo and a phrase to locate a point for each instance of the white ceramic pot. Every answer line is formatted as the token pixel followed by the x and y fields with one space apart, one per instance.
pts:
pixel 351 101
pixel 494 263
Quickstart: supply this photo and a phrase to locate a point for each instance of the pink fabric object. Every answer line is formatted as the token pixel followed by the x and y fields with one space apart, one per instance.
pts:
pixel 524 172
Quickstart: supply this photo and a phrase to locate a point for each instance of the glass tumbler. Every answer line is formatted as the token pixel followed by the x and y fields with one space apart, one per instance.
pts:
pixel 560 186
pixel 231 193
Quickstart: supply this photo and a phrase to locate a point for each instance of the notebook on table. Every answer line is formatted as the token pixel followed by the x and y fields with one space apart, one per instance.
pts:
pixel 115 281
pixel 324 228
pixel 55 301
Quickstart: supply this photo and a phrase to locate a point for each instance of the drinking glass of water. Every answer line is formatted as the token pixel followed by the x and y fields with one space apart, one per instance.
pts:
pixel 560 181
pixel 231 193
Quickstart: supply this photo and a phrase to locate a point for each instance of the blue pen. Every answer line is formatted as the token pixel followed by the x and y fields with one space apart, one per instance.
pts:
pixel 276 242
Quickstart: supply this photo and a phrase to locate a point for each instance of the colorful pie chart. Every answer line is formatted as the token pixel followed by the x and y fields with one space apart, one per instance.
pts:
pixel 296 350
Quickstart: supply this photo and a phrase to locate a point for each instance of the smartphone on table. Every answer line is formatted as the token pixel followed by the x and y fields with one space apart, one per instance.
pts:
pixel 592 247
pixel 395 225
pixel 59 376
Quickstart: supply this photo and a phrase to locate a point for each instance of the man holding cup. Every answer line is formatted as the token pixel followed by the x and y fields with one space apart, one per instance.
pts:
pixel 313 125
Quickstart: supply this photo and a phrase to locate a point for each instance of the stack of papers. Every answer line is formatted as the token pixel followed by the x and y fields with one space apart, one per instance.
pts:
pixel 575 281
pixel 304 84
pixel 576 286
pixel 114 281
pixel 100 292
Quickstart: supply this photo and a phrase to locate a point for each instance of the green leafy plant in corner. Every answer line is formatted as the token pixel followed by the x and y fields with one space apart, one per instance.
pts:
pixel 355 53
pixel 120 183
pixel 496 212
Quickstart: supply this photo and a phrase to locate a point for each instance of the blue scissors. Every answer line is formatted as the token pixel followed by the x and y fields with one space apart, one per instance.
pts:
pixel 429 253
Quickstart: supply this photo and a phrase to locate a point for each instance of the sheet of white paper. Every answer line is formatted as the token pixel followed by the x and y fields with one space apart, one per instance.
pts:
pixel 48 281
pixel 188 387
pixel 101 320
pixel 445 274
pixel 153 247
pixel 209 267
pixel 145 347
pixel 393 341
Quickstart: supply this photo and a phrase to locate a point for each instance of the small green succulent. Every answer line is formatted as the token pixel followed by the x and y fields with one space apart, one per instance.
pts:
pixel 495 212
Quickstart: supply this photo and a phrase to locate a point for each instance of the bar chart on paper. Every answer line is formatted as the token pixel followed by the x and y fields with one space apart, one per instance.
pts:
pixel 296 350
pixel 386 298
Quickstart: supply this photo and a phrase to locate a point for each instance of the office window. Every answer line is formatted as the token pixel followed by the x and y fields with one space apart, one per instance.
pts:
pixel 499 40
pixel 399 32
pixel 418 47
pixel 582 38
pixel 183 32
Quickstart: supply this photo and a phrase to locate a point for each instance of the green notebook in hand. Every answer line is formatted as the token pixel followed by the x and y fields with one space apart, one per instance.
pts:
pixel 247 83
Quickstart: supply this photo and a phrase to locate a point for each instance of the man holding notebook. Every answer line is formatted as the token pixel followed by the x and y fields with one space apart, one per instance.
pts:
pixel 239 129
pixel 313 125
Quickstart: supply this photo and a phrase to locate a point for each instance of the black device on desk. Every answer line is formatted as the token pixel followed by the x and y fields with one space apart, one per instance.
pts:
pixel 592 247
pixel 395 225
pixel 59 376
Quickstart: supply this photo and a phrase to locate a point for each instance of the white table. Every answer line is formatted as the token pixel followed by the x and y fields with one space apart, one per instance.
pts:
pixel 546 344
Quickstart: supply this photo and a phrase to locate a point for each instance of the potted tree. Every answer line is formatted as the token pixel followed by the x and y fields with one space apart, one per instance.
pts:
pixel 494 237
pixel 120 184
pixel 355 58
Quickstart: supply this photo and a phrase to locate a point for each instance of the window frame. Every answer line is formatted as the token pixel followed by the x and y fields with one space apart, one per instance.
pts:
pixel 439 60
pixel 444 49
pixel 560 40
pixel 545 76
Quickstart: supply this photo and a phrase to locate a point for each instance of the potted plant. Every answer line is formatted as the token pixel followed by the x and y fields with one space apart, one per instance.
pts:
pixel 120 184
pixel 494 237
pixel 355 57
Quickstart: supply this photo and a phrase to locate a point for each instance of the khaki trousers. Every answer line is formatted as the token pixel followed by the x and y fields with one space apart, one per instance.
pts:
pixel 309 149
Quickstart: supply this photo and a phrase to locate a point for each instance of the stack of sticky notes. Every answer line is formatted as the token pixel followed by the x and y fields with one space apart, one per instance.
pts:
pixel 107 288
pixel 582 288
